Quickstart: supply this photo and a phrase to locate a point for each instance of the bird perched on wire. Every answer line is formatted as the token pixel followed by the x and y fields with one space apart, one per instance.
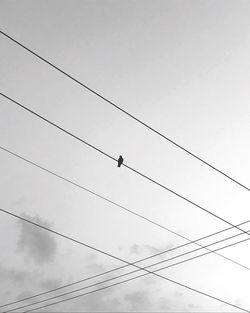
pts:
pixel 120 161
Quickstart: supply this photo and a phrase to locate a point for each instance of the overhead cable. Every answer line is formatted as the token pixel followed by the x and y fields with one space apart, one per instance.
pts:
pixel 120 206
pixel 128 167
pixel 119 259
pixel 134 271
pixel 125 266
pixel 136 277
pixel 126 112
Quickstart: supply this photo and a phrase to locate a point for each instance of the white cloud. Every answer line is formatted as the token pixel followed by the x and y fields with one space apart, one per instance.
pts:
pixel 39 245
pixel 51 284
pixel 138 300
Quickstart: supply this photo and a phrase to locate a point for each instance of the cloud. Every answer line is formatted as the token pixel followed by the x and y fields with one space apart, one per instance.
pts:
pixel 23 295
pixel 100 302
pixel 51 284
pixel 139 249
pixel 192 306
pixel 138 300
pixel 16 284
pixel 135 249
pixel 12 281
pixel 150 280
pixel 37 243
pixel 13 275
pixel 94 264
pixel 164 304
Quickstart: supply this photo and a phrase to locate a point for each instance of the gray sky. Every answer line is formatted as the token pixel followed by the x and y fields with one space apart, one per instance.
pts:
pixel 180 66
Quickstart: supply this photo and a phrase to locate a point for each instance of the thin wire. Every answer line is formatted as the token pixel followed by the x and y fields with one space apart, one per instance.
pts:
pixel 117 258
pixel 138 121
pixel 114 159
pixel 120 206
pixel 122 275
pixel 124 266
pixel 146 267
pixel 136 277
pixel 125 112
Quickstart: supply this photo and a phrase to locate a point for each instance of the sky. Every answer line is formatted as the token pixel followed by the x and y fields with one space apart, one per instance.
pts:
pixel 181 66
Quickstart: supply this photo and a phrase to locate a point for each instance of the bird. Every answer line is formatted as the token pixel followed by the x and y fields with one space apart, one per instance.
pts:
pixel 120 161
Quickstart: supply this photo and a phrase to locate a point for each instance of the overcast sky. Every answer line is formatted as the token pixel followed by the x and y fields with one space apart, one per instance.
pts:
pixel 181 66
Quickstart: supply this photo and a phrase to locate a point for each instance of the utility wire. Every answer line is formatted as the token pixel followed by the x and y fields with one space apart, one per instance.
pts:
pixel 117 258
pixel 120 206
pixel 125 112
pixel 124 266
pixel 126 274
pixel 114 159
pixel 98 250
pixel 146 267
pixel 129 115
pixel 130 279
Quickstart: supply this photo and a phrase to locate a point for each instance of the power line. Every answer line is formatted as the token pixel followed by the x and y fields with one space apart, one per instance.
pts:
pixel 120 206
pixel 125 112
pixel 124 266
pixel 115 284
pixel 134 271
pixel 127 280
pixel 114 159
pixel 154 131
pixel 122 275
pixel 117 258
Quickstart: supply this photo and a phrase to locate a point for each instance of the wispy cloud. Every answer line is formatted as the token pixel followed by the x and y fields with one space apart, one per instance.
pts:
pixel 101 302
pixel 140 249
pixel 50 284
pixel 13 275
pixel 138 300
pixel 39 245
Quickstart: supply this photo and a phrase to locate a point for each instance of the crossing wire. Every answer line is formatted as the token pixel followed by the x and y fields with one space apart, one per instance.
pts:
pixel 136 277
pixel 119 259
pixel 138 120
pixel 125 112
pixel 124 266
pixel 134 271
pixel 114 159
pixel 120 206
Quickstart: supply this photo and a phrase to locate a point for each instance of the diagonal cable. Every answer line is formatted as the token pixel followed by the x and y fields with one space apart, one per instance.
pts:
pixel 125 266
pixel 133 278
pixel 119 259
pixel 137 270
pixel 120 206
pixel 125 112
pixel 114 159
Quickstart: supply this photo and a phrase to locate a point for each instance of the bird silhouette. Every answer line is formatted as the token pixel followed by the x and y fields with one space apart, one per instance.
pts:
pixel 120 161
